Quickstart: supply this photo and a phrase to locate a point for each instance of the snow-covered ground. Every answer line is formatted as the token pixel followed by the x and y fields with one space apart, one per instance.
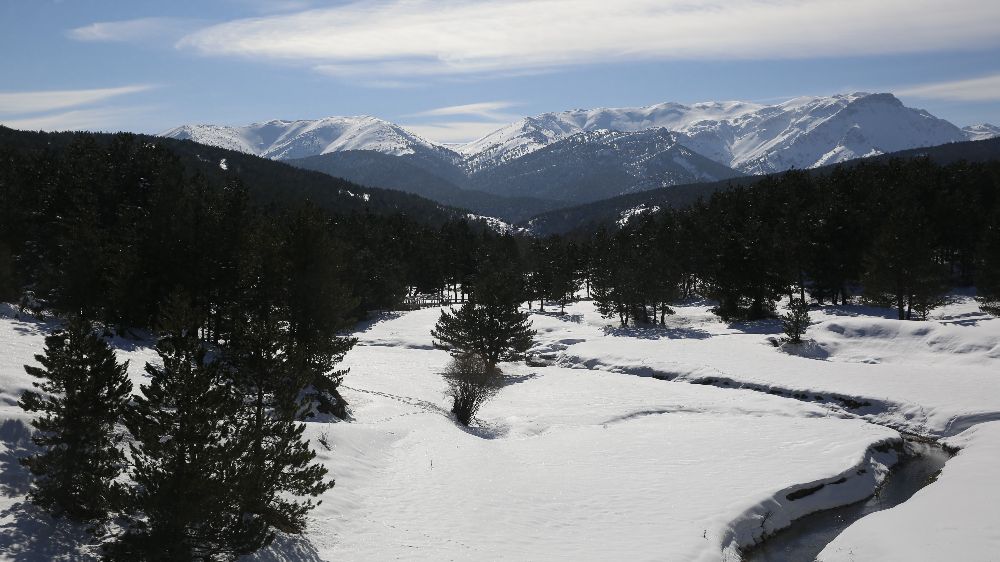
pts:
pixel 583 460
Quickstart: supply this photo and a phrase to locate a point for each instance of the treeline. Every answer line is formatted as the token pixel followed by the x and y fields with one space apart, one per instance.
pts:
pixel 897 234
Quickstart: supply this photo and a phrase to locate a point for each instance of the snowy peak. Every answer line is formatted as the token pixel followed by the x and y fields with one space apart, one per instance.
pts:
pixel 602 163
pixel 811 132
pixel 802 132
pixel 532 133
pixel 981 131
pixel 586 154
pixel 284 140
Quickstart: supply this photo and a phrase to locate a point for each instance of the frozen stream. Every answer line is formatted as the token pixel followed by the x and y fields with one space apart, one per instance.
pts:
pixel 807 536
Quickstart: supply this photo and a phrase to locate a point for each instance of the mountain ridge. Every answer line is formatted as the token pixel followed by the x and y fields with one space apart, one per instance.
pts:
pixel 533 156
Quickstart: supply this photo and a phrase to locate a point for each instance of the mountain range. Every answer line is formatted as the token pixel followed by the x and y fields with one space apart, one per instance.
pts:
pixel 555 160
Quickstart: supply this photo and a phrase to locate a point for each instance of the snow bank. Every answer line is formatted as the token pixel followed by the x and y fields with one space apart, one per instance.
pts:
pixel 566 464
pixel 956 518
pixel 933 378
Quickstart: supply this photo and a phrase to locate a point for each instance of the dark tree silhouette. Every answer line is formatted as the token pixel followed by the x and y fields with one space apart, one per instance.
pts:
pixel 82 395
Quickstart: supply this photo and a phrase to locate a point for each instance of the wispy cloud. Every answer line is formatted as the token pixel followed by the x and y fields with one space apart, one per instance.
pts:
pixel 17 103
pixel 273 6
pixel 397 38
pixel 453 131
pixel 97 119
pixel 984 88
pixel 134 30
pixel 487 109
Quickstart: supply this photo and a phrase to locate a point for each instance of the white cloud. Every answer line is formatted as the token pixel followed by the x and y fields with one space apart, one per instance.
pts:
pixel 272 6
pixel 454 131
pixel 12 103
pixel 111 119
pixel 135 30
pixel 985 88
pixel 431 37
pixel 487 109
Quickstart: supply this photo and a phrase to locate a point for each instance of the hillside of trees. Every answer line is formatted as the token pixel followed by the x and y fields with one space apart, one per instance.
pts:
pixel 587 217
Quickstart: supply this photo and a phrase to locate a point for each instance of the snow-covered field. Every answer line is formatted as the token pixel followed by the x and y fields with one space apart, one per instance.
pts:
pixel 594 457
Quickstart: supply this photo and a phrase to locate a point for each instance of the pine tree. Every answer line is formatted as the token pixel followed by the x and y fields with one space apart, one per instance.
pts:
pixel 796 321
pixel 83 395
pixel 8 284
pixel 988 275
pixel 488 323
pixel 277 465
pixel 317 305
pixel 185 460
pixel 901 270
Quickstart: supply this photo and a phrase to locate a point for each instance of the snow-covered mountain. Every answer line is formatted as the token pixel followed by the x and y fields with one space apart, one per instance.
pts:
pixel 284 140
pixel 752 138
pixel 584 153
pixel 594 165
pixel 982 131
pixel 532 133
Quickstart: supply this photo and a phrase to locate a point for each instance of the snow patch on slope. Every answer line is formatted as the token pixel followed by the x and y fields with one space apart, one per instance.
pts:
pixel 981 131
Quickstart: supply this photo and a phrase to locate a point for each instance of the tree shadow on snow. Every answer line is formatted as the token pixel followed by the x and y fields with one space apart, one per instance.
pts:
pixel 518 379
pixel 968 319
pixel 484 429
pixel 575 318
pixel 15 479
pixel 30 534
pixel 369 323
pixel 807 349
pixel 860 310
pixel 764 327
pixel 651 332
pixel 286 548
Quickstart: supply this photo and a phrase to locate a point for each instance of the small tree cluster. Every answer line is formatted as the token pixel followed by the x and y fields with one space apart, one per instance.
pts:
pixel 219 463
pixel 471 383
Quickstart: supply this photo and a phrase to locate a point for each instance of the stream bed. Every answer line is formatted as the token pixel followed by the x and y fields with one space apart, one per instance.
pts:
pixel 806 537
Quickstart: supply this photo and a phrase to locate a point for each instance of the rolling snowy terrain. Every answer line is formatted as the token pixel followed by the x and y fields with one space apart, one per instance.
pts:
pixel 589 453
pixel 562 156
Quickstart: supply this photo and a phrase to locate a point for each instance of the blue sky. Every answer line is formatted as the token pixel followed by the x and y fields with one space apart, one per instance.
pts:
pixel 453 70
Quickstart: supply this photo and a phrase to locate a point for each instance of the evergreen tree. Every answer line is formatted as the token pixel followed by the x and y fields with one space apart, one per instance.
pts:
pixel 186 462
pixel 609 283
pixel 318 306
pixel 988 275
pixel 488 323
pixel 901 270
pixel 83 393
pixel 277 464
pixel 8 283
pixel 796 321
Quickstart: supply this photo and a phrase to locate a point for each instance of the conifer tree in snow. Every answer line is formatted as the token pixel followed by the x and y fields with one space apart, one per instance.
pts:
pixel 277 465
pixel 796 321
pixel 489 324
pixel 988 276
pixel 185 458
pixel 82 394
pixel 901 270
pixel 8 286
